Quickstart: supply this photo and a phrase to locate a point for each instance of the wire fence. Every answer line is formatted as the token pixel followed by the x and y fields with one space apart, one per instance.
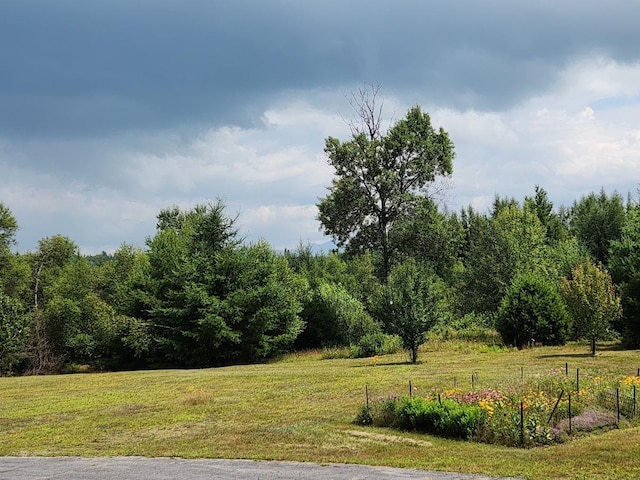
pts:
pixel 570 396
pixel 623 403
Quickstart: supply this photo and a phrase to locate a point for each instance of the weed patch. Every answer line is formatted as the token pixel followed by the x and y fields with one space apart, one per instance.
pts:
pixel 196 396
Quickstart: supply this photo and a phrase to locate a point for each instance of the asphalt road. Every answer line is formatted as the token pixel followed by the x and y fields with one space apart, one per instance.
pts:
pixel 138 468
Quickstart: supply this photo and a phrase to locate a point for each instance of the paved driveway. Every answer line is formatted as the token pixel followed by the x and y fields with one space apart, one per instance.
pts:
pixel 138 468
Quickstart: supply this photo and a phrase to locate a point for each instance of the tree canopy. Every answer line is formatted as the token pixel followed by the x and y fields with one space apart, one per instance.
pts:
pixel 592 302
pixel 415 303
pixel 596 220
pixel 625 269
pixel 380 176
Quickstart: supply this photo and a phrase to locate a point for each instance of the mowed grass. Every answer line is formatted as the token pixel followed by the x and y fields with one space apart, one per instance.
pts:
pixel 301 408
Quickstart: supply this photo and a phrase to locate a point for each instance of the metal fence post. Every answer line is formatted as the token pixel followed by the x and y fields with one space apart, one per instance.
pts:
pixel 521 424
pixel 570 414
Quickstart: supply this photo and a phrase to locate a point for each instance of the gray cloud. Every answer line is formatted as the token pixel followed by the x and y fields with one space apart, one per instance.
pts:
pixel 74 67
pixel 112 109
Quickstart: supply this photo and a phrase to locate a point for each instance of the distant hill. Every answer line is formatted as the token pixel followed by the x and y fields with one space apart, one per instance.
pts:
pixel 316 248
pixel 326 247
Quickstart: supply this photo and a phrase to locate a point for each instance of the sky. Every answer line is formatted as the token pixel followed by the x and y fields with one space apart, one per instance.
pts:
pixel 113 110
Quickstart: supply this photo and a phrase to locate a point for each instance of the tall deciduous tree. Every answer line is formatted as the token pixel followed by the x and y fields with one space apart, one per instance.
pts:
pixel 14 297
pixel 86 327
pixel 378 176
pixel 47 264
pixel 592 302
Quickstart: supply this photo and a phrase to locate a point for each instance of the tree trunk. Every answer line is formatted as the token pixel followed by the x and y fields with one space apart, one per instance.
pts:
pixel 593 346
pixel 414 354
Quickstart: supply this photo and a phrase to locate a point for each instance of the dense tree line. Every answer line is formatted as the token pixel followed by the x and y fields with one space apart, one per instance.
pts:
pixel 198 295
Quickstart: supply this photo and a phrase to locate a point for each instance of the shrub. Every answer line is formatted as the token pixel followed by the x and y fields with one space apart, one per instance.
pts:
pixel 364 417
pixel 446 418
pixel 371 344
pixel 532 310
pixel 392 344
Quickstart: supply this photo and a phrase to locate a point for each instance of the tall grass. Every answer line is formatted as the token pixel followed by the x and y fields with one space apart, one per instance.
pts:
pixel 302 408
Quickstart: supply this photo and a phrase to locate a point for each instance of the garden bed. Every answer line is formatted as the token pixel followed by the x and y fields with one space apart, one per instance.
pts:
pixel 549 410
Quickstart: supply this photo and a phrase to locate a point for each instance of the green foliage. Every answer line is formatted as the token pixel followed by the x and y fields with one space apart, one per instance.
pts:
pixel 123 280
pixel 213 301
pixel 415 302
pixel 592 302
pixel 364 416
pixel 360 280
pixel 334 317
pixel 529 414
pixel 378 176
pixel 471 327
pixel 262 301
pixel 196 296
pixel 625 269
pixel 81 326
pixel 330 353
pixel 15 296
pixel 186 283
pixel 336 286
pixel 428 236
pixel 55 252
pixel 498 249
pixel 14 335
pixel 318 268
pixel 347 314
pixel 566 255
pixel 8 227
pixel 392 344
pixel 49 313
pixel 596 221
pixel 446 418
pixel 556 230
pixel 371 344
pixel 532 311
pixel 503 427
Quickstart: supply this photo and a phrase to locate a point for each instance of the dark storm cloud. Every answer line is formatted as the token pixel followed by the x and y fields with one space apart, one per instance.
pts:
pixel 77 68
pixel 93 67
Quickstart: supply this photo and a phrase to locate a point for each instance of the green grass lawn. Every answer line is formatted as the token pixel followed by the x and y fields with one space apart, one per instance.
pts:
pixel 301 408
